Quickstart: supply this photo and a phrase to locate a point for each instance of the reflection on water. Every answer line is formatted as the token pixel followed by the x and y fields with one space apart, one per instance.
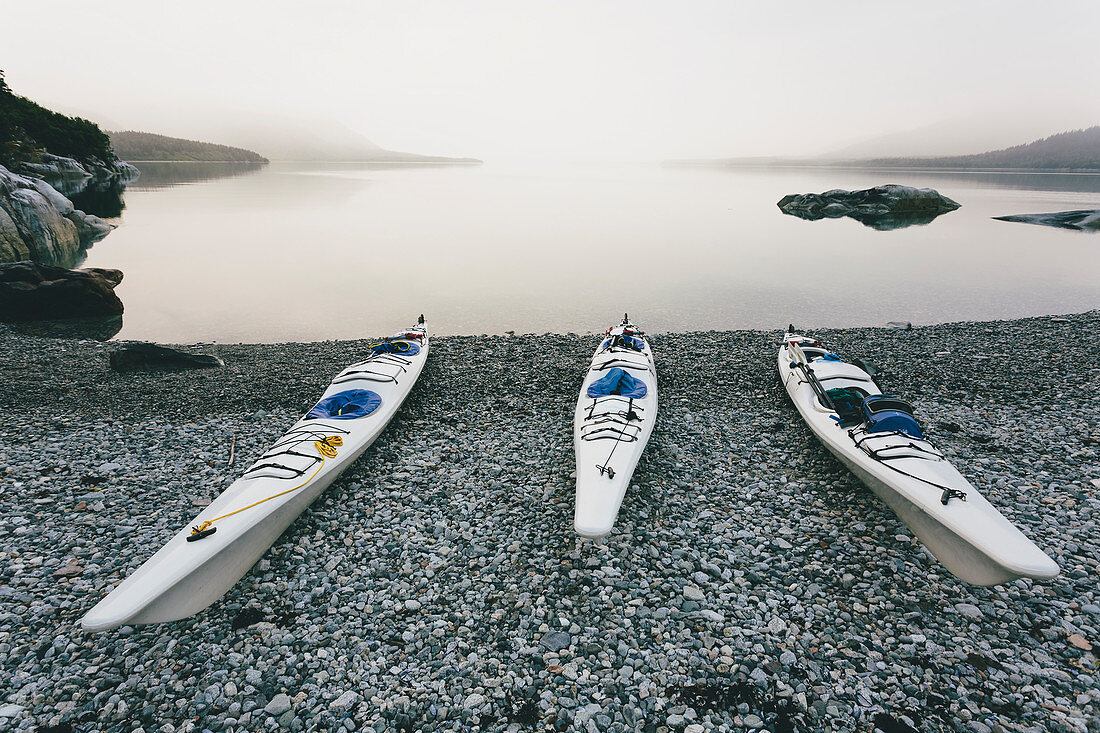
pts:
pixel 1022 180
pixel 881 222
pixel 156 174
pixel 311 251
pixel 101 198
pixel 97 329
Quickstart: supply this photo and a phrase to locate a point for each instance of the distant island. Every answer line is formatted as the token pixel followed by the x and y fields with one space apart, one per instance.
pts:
pixel 318 142
pixel 1075 150
pixel 147 146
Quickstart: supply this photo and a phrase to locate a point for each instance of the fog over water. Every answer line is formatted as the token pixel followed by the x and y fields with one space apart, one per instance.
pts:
pixel 571 80
pixel 307 251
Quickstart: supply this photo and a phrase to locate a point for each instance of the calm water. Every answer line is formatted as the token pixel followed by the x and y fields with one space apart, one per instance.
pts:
pixel 322 251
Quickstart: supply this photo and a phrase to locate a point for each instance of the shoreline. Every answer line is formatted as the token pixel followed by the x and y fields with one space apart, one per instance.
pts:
pixel 428 588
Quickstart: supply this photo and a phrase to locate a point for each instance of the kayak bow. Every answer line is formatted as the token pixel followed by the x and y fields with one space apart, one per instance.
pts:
pixel 201 562
pixel 877 438
pixel 615 414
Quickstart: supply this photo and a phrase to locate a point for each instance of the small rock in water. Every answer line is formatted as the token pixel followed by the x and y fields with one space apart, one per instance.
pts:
pixel 883 207
pixel 1082 220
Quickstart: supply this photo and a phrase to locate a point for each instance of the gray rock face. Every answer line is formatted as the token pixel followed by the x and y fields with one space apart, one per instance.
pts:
pixel 70 176
pixel 882 207
pixel 39 224
pixel 1083 220
pixel 56 167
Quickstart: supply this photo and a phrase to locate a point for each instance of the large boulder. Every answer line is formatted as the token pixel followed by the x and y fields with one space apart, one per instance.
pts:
pixel 33 292
pixel 1082 220
pixel 882 207
pixel 140 356
pixel 38 223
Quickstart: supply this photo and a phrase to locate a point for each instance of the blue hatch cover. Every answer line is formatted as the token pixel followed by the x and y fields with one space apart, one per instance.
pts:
pixel 618 382
pixel 346 405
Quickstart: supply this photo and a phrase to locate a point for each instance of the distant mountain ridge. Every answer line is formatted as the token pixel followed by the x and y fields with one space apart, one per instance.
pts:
pixel 1073 150
pixel 134 145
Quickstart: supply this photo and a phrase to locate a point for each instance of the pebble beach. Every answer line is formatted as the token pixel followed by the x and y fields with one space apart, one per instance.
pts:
pixel 751 583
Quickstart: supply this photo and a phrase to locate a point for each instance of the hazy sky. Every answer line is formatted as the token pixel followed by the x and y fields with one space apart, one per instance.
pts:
pixel 564 79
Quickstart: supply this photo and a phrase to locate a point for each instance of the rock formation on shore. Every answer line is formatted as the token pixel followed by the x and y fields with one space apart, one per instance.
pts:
pixel 33 292
pixel 1082 220
pixel 71 176
pixel 39 224
pixel 883 207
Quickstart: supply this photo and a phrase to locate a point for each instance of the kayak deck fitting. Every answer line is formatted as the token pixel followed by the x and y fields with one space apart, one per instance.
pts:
pixel 877 437
pixel 200 563
pixel 612 423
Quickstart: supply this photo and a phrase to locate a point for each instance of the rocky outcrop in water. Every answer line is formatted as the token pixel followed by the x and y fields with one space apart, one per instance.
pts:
pixel 38 223
pixel 882 207
pixel 70 176
pixel 1083 220
pixel 34 292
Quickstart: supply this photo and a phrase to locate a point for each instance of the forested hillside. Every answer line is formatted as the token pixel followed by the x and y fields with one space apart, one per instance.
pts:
pixel 27 128
pixel 132 145
pixel 1078 149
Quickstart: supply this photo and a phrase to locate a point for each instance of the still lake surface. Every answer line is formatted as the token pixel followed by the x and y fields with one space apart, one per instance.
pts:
pixel 309 251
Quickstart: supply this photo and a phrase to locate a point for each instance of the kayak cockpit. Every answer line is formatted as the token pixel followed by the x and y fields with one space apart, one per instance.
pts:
pixel 388 363
pixel 350 404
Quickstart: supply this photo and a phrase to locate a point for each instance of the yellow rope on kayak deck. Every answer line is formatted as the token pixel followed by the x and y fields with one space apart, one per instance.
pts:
pixel 325 446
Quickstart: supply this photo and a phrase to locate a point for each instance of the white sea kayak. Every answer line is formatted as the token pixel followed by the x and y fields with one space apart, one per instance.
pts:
pixel 614 419
pixel 879 440
pixel 205 559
